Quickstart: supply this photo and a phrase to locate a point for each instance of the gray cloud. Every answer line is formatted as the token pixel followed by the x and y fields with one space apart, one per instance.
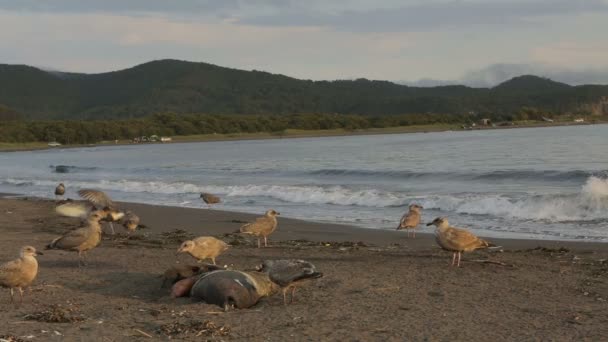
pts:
pixel 498 73
pixel 431 15
pixel 387 15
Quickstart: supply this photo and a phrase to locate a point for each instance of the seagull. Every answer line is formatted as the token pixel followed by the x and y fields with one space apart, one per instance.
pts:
pixel 411 219
pixel 100 199
pixel 289 273
pixel 59 191
pixel 130 221
pixel 262 227
pixel 203 247
pixel 456 240
pixel 82 239
pixel 210 199
pixel 21 272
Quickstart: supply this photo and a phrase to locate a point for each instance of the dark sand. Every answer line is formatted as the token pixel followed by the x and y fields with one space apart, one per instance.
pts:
pixel 387 287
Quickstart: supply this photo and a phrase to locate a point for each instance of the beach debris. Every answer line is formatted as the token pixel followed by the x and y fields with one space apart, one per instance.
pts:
pixel 203 247
pixel 262 226
pixel 83 239
pixel 144 333
pixel 193 328
pixel 209 199
pixel 456 240
pixel 10 338
pixel 176 236
pixel 289 273
pixel 411 219
pixel 56 314
pixel 21 272
pixel 493 262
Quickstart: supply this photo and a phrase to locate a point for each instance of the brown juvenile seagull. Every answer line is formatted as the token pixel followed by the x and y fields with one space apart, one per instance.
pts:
pixel 203 247
pixel 100 199
pixel 82 239
pixel 21 272
pixel 130 221
pixel 411 219
pixel 456 240
pixel 59 191
pixel 209 199
pixel 262 227
pixel 289 273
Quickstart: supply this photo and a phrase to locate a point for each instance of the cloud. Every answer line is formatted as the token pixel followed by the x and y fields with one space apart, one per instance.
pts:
pixel 432 15
pixel 354 15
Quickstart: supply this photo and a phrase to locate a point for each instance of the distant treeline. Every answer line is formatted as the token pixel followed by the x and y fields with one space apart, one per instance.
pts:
pixel 184 87
pixel 168 124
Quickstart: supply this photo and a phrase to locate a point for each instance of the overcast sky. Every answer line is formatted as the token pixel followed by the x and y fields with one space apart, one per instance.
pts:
pixel 407 40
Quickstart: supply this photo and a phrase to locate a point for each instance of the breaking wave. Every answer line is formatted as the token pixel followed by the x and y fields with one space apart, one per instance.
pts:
pixel 590 204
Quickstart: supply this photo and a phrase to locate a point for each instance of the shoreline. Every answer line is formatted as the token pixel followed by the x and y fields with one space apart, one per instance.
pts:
pixel 292 134
pixel 159 218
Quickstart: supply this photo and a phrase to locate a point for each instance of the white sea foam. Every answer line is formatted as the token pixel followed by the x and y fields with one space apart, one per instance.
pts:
pixel 590 204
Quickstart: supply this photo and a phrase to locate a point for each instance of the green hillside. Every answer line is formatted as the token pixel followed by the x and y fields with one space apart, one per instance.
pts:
pixel 185 87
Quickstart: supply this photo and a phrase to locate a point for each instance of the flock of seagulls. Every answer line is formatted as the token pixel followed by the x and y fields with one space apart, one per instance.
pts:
pixel 226 288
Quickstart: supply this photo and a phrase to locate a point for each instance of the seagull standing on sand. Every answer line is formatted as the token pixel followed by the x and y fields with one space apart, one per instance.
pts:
pixel 262 227
pixel 210 199
pixel 59 191
pixel 82 239
pixel 411 219
pixel 289 273
pixel 456 240
pixel 101 199
pixel 203 247
pixel 21 272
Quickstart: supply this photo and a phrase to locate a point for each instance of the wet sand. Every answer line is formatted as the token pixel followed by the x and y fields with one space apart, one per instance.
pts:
pixel 378 285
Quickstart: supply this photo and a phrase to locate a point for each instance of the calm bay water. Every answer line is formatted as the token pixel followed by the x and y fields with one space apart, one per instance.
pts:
pixel 542 183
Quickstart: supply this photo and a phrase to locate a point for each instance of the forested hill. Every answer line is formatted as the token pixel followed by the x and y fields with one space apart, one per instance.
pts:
pixel 187 87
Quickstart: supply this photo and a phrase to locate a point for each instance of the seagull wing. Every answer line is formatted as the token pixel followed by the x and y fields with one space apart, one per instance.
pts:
pixel 9 269
pixel 98 198
pixel 284 272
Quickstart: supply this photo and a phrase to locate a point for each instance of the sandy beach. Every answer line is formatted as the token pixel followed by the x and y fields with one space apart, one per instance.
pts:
pixel 378 285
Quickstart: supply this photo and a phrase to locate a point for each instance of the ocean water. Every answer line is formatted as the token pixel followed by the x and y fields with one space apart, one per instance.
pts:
pixel 538 183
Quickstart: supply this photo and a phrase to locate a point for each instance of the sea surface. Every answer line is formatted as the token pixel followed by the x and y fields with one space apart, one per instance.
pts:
pixel 538 183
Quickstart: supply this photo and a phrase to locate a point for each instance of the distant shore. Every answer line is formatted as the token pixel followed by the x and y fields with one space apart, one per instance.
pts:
pixel 293 134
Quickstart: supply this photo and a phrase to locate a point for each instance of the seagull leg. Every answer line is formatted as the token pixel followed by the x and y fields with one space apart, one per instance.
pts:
pixel 20 295
pixel 112 227
pixel 285 296
pixel 293 292
pixel 213 259
pixel 265 241
pixel 458 259
pixel 453 258
pixel 12 295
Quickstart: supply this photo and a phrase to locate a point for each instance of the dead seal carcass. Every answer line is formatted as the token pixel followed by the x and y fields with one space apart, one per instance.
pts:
pixel 232 289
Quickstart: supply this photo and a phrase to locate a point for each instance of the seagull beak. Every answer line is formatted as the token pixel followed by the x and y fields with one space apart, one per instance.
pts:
pixel 39 253
pixel 179 250
pixel 429 224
